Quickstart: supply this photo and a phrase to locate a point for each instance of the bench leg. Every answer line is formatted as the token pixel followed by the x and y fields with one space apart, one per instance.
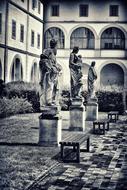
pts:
pixel 74 148
pixel 88 144
pixel 108 126
pixel 62 151
pixel 93 128
pixel 78 153
pixel 104 128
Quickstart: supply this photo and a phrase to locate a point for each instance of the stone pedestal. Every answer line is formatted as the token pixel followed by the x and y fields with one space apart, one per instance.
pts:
pixel 50 123
pixel 92 110
pixel 77 115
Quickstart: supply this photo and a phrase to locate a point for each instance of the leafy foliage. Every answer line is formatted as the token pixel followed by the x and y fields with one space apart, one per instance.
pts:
pixel 110 101
pixel 14 106
pixel 28 91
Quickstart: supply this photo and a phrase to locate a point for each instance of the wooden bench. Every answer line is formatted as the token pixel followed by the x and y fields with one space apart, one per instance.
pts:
pixel 75 140
pixel 102 125
pixel 113 116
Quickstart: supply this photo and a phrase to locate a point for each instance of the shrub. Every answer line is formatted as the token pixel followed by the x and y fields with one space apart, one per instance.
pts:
pixel 14 106
pixel 110 101
pixel 24 90
pixel 2 88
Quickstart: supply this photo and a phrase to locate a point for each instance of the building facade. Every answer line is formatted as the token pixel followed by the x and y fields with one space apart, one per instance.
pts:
pixel 99 28
pixel 21 39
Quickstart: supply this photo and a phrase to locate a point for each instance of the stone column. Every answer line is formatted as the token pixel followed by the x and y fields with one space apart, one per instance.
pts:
pixel 77 115
pixel 92 110
pixel 50 123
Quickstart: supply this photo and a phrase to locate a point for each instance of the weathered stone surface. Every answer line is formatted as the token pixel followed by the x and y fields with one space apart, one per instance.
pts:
pixel 50 123
pixel 92 110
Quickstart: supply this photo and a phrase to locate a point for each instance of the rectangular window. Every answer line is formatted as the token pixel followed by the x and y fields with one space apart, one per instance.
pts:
pixel 83 10
pixel 55 10
pixel 38 40
pixel 21 33
pixel 34 4
pixel 32 38
pixel 114 10
pixel 0 23
pixel 13 29
pixel 39 7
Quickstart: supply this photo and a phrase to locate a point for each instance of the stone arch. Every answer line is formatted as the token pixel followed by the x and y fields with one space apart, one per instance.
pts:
pixel 56 33
pixel 112 38
pixel 34 72
pixel 113 26
pixel 112 75
pixel 84 26
pixel 16 73
pixel 82 37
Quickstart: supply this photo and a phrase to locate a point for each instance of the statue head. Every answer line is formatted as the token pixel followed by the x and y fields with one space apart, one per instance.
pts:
pixel 80 56
pixel 53 43
pixel 93 63
pixel 75 49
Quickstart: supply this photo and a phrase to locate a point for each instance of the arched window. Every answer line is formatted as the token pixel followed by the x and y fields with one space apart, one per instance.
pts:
pixel 83 38
pixel 57 34
pixel 17 73
pixel 34 73
pixel 112 38
pixel 0 70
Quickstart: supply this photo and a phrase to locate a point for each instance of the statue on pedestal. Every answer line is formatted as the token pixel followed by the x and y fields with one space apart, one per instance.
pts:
pixel 75 65
pixel 49 75
pixel 92 76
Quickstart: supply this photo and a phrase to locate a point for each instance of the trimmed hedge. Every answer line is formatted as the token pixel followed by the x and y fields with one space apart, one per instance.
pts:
pixel 110 101
pixel 14 106
pixel 24 90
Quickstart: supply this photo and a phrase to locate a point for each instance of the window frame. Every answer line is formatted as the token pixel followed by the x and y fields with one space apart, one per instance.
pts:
pixel 114 10
pixel 39 7
pixel 113 39
pixel 84 36
pixel 34 4
pixel 57 33
pixel 38 40
pixel 83 7
pixel 13 34
pixel 53 7
pixel 32 38
pixel 21 33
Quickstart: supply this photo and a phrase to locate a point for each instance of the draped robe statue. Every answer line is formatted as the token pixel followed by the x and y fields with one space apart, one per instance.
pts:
pixel 75 72
pixel 49 75
pixel 92 76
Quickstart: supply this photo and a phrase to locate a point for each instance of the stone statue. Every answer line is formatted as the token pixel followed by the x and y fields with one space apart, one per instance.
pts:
pixel 75 65
pixel 92 76
pixel 49 75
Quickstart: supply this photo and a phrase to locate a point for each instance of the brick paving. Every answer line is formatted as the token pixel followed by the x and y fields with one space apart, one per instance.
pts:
pixel 103 168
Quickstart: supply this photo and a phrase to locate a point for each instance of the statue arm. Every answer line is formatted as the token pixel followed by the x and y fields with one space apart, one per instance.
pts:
pixel 94 73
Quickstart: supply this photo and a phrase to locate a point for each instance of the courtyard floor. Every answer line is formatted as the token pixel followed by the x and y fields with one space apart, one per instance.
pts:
pixel 26 166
